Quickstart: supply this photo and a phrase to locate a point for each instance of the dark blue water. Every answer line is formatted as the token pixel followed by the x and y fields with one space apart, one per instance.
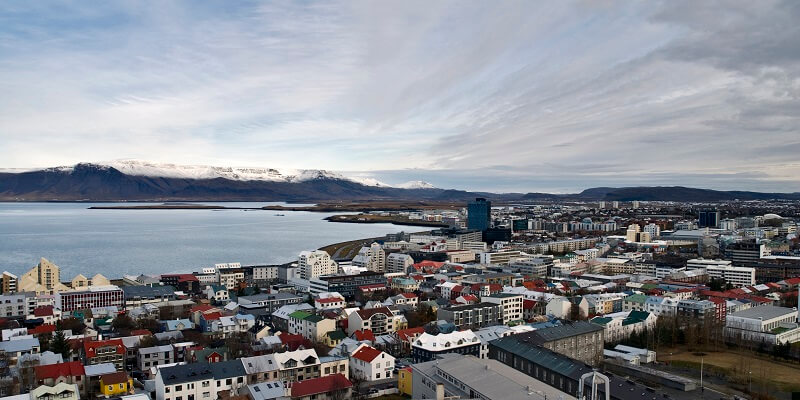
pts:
pixel 117 242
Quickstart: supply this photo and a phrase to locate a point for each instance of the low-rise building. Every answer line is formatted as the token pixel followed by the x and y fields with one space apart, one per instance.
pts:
pixel 200 380
pixel 155 356
pixel 427 347
pixel 769 324
pixel 472 316
pixel 510 305
pixel 580 340
pixel 371 364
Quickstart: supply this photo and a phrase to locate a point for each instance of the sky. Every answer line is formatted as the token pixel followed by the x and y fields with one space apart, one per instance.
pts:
pixel 523 96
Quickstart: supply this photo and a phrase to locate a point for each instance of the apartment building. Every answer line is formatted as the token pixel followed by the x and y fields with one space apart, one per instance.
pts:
pixel 200 381
pixel 154 356
pixel 510 305
pixel 398 263
pixel 92 296
pixel 428 347
pixel 472 316
pixel 371 257
pixel 312 264
pixel 579 340
pixel 380 320
pixel 17 305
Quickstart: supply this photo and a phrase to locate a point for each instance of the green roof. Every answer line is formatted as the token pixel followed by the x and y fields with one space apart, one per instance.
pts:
pixel 300 315
pixel 636 298
pixel 313 318
pixel 336 335
pixel 635 317
pixel 600 320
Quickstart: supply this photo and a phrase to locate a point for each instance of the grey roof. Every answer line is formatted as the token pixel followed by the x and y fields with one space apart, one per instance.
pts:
pixel 566 330
pixel 132 292
pixel 99 369
pixel 491 378
pixel 269 296
pixel 765 312
pixel 549 360
pixel 13 346
pixel 201 371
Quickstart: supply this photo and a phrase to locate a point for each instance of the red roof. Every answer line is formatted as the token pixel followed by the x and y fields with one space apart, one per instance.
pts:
pixel 324 384
pixel 428 263
pixel 410 333
pixel 114 378
pixel 42 329
pixel 367 353
pixel 409 295
pixel 368 313
pixel 141 332
pixel 91 347
pixel 792 281
pixel 54 371
pixel 528 304
pixel 364 334
pixel 43 311
pixel 202 308
pixel 373 286
pixel 212 316
pixel 181 277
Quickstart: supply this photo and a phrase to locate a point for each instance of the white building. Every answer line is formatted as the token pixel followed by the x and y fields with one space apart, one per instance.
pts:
pixel 510 305
pixel 769 324
pixel 265 273
pixel 722 269
pixel 315 263
pixel 373 258
pixel 398 262
pixel 371 364
pixel 200 380
pixel 653 229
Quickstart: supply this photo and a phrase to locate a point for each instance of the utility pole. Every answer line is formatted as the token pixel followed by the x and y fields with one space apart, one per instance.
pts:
pixel 701 375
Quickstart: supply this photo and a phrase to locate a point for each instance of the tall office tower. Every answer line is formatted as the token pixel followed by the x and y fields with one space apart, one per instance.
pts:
pixel 708 218
pixel 479 214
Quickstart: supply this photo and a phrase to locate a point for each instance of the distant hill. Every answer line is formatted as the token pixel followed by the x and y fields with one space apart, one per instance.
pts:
pixel 129 181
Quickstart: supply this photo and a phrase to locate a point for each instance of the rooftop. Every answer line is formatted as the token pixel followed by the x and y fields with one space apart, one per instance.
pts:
pixel 764 312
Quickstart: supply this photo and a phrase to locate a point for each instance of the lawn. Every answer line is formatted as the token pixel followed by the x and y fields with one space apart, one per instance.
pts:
pixel 738 366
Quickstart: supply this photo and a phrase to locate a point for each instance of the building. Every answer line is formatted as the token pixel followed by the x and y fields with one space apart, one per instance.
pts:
pixel 311 326
pixel 312 264
pixel 696 310
pixel 371 364
pixel 399 263
pixel 768 324
pixel 722 269
pixel 104 351
pixel 116 384
pixel 44 278
pixel 17 305
pixel 200 380
pixel 580 340
pixel 230 277
pixel 19 347
pixel 652 229
pixel 331 387
pixel 269 301
pixel 61 391
pixel 621 325
pixel 371 257
pixel 149 357
pixel 746 252
pixel 510 305
pixel 293 366
pixel 428 347
pixel 92 296
pixel 538 267
pixel 467 377
pixel 559 371
pixel 708 218
pixel 501 257
pixel 472 316
pixel 379 320
pixel 265 273
pixel 8 283
pixel 346 285
pixel 137 296
pixel 479 214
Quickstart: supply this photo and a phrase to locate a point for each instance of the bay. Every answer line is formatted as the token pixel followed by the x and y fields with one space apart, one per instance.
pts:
pixel 118 242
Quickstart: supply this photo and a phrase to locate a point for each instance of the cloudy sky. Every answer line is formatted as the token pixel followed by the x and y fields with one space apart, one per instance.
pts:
pixel 482 95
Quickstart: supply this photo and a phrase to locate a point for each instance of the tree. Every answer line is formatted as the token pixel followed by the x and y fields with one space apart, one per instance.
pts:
pixel 150 324
pixel 123 323
pixel 148 341
pixel 238 345
pixel 59 344
pixel 73 324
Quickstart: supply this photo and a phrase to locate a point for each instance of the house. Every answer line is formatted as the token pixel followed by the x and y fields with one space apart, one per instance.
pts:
pixel 218 293
pixel 271 390
pixel 427 347
pixel 405 299
pixel 371 364
pixel 330 387
pixel 404 381
pixel 200 380
pixel 103 351
pixel 117 383
pixel 61 391
pixel 177 325
pixel 70 373
pixel 19 347
pixel 154 356
pixel 280 318
pixel 313 327
pixel 380 320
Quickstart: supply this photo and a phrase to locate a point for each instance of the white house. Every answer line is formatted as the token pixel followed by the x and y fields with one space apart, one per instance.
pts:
pixel 371 364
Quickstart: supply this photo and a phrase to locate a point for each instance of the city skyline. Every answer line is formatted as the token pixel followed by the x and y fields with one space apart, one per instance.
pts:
pixel 510 97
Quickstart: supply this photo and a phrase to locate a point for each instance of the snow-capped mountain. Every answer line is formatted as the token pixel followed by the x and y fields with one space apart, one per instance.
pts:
pixel 416 185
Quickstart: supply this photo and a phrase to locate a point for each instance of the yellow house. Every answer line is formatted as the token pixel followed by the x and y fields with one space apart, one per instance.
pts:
pixel 117 383
pixel 404 381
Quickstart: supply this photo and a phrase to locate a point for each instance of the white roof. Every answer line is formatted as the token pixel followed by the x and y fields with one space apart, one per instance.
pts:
pixel 444 341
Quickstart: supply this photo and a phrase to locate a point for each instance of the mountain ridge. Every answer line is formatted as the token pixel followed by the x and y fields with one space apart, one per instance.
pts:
pixel 100 182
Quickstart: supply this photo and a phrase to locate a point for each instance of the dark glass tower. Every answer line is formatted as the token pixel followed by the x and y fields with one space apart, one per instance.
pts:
pixel 479 214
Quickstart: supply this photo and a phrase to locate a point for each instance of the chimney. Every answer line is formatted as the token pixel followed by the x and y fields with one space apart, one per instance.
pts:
pixel 440 391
